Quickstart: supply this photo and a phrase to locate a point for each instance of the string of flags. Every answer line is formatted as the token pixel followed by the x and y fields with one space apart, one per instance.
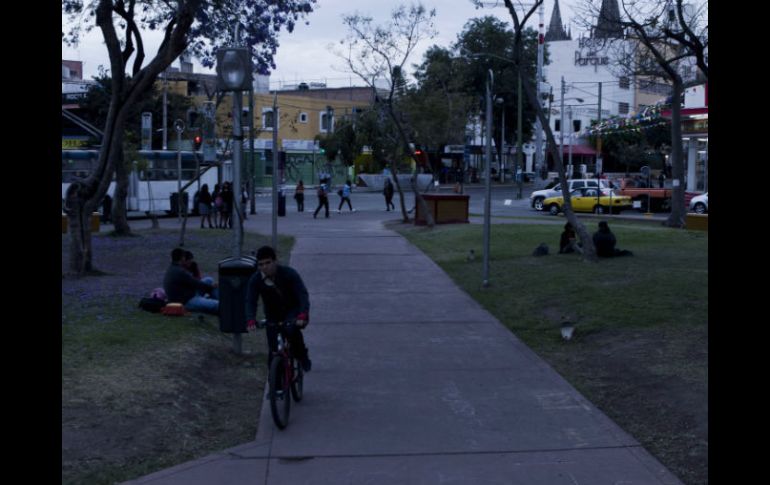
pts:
pixel 648 117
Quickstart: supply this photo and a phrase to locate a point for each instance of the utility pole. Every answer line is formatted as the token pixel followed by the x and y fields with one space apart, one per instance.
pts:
pixel 179 127
pixel 488 172
pixel 561 128
pixel 538 126
pixel 252 163
pixel 599 164
pixel 519 144
pixel 165 112
pixel 275 171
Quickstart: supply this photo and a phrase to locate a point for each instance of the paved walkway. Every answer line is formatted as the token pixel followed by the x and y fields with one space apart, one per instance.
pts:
pixel 413 382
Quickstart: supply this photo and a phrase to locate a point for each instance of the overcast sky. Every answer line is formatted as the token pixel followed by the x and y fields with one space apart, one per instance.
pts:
pixel 303 55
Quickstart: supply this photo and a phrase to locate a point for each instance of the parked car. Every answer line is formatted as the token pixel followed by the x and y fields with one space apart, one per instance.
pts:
pixel 538 196
pixel 587 199
pixel 700 204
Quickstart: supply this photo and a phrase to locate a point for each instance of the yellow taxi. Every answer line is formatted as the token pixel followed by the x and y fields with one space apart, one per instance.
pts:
pixel 587 199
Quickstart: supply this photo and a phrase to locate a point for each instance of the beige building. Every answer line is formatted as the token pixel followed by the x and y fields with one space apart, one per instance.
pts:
pixel 303 115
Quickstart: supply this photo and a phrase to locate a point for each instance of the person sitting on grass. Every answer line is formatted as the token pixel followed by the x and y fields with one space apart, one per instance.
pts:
pixel 604 241
pixel 568 241
pixel 182 287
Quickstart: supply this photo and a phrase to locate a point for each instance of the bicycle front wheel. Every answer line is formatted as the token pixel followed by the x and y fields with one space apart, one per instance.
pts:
pixel 280 402
pixel 296 383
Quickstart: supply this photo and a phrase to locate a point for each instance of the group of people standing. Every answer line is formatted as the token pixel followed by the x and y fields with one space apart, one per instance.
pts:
pixel 219 203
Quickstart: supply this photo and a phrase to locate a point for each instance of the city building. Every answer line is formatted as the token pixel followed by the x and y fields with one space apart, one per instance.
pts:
pixel 593 88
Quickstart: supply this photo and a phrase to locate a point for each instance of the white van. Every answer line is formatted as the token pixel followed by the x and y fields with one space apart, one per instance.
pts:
pixel 537 197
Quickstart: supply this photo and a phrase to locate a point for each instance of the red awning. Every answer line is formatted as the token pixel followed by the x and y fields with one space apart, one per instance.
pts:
pixel 685 112
pixel 579 150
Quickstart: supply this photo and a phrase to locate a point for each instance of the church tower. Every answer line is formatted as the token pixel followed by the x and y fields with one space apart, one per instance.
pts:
pixel 555 28
pixel 608 26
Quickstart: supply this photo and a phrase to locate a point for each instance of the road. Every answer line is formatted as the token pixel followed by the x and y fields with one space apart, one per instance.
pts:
pixel 503 202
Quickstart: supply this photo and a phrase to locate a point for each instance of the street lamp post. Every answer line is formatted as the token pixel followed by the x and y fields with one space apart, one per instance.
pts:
pixel 487 171
pixel 179 127
pixel 234 73
pixel 501 149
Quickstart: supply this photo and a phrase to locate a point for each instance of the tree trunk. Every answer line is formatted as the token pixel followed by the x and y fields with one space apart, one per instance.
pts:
pixel 418 198
pixel 76 208
pixel 119 213
pixel 184 223
pixel 394 171
pixel 589 252
pixel 678 209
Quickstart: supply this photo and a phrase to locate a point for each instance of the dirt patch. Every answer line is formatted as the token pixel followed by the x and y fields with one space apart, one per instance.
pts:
pixel 213 403
pixel 653 384
pixel 139 393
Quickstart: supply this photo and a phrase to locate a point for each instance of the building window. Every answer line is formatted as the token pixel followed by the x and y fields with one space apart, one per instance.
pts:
pixel 623 108
pixel 557 125
pixel 624 83
pixel 267 118
pixel 245 117
pixel 326 122
pixel 576 125
pixel 303 117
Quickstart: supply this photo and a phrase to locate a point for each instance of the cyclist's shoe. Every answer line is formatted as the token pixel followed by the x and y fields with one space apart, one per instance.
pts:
pixel 307 364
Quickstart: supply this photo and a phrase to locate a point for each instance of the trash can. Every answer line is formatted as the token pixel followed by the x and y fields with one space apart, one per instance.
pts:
pixel 173 203
pixel 281 203
pixel 234 274
pixel 95 221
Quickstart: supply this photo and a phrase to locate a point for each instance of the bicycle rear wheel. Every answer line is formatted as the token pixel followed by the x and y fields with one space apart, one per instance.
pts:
pixel 296 384
pixel 280 402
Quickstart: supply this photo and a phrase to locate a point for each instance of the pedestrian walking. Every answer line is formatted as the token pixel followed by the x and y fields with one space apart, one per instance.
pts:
pixel 344 193
pixel 299 196
pixel 204 205
pixel 244 201
pixel 218 204
pixel 227 206
pixel 323 198
pixel 661 180
pixel 388 193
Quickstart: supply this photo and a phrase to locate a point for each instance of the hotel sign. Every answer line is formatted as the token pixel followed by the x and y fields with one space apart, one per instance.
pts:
pixel 591 53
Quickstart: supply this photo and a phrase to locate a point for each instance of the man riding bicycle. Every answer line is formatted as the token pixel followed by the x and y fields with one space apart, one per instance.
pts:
pixel 285 299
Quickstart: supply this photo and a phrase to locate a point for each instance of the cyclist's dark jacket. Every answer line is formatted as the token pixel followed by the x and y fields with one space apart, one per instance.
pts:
pixel 283 302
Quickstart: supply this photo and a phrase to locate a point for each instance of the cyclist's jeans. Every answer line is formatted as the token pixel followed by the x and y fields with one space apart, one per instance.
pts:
pixel 295 338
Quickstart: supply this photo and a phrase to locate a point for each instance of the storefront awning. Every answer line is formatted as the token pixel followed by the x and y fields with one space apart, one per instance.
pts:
pixel 579 150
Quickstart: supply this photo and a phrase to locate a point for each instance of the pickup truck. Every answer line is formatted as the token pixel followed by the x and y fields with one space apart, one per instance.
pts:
pixel 650 198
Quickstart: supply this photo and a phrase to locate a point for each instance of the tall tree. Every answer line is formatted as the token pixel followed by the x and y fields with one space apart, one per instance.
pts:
pixel 377 54
pixel 519 23
pixel 95 108
pixel 438 107
pixel 487 43
pixel 662 40
pixel 200 26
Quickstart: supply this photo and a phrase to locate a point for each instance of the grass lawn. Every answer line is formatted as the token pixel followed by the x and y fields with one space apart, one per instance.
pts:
pixel 142 391
pixel 640 348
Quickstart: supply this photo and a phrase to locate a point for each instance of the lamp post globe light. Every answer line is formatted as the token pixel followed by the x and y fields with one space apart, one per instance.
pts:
pixel 234 69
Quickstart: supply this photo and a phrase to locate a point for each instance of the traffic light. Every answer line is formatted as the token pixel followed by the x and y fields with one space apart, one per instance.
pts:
pixel 420 156
pixel 197 141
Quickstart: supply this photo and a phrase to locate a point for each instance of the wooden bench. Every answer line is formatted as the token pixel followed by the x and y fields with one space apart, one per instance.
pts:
pixel 697 222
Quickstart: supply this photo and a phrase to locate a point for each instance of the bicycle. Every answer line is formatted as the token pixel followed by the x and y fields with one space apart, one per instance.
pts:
pixel 285 376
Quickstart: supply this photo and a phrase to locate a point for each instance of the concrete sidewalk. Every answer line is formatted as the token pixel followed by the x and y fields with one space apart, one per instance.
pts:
pixel 414 383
